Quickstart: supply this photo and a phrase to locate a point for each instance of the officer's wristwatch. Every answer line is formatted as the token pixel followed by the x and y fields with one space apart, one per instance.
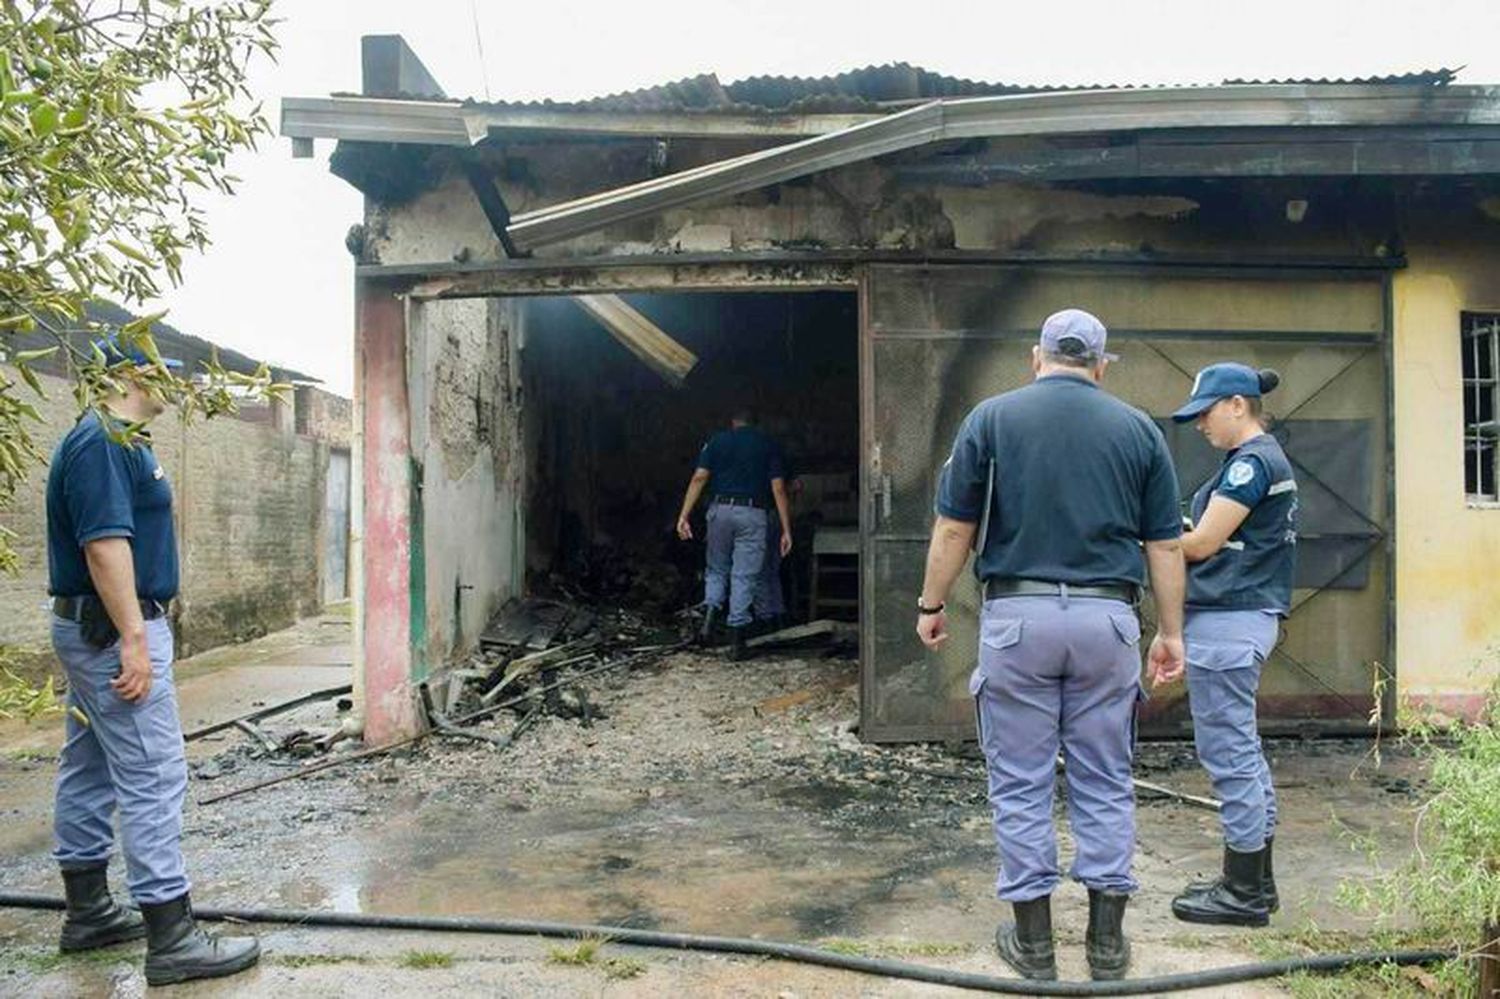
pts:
pixel 921 610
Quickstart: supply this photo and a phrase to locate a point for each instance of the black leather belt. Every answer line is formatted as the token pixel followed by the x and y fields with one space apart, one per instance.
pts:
pixel 995 587
pixel 738 501
pixel 71 608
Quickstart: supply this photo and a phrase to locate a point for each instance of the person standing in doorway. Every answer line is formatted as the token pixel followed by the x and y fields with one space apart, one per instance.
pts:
pixel 741 469
pixel 1241 551
pixel 1057 487
pixel 112 558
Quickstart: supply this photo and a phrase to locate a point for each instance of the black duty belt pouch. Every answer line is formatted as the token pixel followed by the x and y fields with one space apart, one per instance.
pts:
pixel 95 626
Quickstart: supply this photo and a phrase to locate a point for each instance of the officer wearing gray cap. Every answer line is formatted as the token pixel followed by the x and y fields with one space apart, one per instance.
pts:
pixel 1242 555
pixel 1059 488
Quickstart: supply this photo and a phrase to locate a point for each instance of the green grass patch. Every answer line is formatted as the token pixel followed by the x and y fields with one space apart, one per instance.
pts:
pixel 1452 979
pixel 581 954
pixel 45 960
pixel 619 968
pixel 587 953
pixel 29 755
pixel 316 960
pixel 425 960
pixel 894 948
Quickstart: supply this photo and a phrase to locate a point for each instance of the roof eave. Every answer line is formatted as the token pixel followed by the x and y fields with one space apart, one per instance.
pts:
pixel 1073 113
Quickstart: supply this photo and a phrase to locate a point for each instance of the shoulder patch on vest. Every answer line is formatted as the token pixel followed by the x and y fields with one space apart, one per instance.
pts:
pixel 1239 473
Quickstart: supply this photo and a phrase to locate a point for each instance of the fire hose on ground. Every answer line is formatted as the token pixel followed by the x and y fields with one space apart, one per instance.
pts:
pixel 1210 978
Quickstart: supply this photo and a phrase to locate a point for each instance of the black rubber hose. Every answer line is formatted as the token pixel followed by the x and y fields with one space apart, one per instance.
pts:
pixel 789 951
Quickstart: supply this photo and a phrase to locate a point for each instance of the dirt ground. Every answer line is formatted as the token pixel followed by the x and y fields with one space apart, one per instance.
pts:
pixel 719 798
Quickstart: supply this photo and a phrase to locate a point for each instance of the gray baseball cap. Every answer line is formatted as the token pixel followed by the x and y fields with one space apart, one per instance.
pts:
pixel 1077 334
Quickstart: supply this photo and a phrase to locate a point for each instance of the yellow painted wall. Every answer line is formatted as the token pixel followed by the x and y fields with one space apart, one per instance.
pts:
pixel 1447 551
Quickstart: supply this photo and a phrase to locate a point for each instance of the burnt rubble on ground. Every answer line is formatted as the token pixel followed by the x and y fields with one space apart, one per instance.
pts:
pixel 560 699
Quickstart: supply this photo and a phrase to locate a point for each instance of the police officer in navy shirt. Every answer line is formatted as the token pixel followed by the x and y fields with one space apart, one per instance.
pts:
pixel 112 555
pixel 1241 552
pixel 1071 497
pixel 742 470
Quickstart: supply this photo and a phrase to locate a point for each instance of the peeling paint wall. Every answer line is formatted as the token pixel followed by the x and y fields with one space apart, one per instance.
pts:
pixel 444 223
pixel 465 443
pixel 875 205
pixel 1447 550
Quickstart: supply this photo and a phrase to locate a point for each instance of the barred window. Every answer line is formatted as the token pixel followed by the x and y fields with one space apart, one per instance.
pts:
pixel 1481 349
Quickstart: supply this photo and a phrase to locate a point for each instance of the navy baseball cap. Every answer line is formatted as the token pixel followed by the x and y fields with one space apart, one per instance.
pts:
pixel 1219 381
pixel 115 352
pixel 1077 334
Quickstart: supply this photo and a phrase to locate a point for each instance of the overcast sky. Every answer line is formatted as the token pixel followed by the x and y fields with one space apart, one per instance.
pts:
pixel 278 283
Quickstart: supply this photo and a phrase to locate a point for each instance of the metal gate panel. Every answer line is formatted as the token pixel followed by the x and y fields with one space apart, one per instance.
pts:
pixel 937 340
pixel 336 528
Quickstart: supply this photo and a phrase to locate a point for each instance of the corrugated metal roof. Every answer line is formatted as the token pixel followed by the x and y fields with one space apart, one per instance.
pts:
pixel 869 88
pixel 866 89
pixel 1427 77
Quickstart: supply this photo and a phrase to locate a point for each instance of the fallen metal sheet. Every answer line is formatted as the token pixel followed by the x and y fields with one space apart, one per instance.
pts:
pixel 1182 796
pixel 1064 113
pixel 255 732
pixel 640 336
pixel 525 624
pixel 267 712
pixel 797 633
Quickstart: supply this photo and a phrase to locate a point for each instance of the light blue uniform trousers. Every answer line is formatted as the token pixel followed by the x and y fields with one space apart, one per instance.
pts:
pixel 1225 652
pixel 1059 672
pixel 736 545
pixel 769 600
pixel 128 758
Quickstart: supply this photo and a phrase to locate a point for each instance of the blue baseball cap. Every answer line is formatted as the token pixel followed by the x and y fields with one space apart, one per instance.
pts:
pixel 116 352
pixel 1219 381
pixel 1077 334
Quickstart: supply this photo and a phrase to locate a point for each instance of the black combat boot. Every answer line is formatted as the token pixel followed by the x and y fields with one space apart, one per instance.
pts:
pixel 178 951
pixel 1267 883
pixel 93 918
pixel 737 650
pixel 1026 944
pixel 708 634
pixel 1236 899
pixel 1105 943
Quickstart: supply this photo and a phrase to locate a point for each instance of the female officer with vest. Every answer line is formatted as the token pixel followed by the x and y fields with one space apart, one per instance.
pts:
pixel 1241 551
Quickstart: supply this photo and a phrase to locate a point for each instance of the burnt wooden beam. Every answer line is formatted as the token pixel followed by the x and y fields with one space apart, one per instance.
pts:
pixel 493 203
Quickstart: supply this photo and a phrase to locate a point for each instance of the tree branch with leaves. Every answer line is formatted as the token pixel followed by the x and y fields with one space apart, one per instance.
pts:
pixel 116 116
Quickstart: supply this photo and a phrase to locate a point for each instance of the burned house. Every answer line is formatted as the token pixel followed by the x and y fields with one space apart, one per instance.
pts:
pixel 556 303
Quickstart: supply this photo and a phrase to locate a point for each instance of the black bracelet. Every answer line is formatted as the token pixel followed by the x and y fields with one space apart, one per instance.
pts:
pixel 924 611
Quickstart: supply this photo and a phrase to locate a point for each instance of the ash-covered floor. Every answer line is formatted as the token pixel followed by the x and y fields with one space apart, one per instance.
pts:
pixel 713 797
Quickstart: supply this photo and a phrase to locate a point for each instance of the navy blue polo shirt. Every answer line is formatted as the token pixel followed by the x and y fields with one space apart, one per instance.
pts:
pixel 96 489
pixel 741 463
pixel 1081 479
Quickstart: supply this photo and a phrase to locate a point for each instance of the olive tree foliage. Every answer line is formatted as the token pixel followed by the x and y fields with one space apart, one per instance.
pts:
pixel 116 116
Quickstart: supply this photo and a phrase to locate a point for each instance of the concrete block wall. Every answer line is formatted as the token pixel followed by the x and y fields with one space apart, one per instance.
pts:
pixel 324 416
pixel 249 498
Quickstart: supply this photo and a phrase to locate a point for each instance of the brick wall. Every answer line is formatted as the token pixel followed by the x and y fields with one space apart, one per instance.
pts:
pixel 324 416
pixel 249 503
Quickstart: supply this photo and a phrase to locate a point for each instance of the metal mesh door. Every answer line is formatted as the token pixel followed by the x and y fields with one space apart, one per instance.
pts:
pixel 937 340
